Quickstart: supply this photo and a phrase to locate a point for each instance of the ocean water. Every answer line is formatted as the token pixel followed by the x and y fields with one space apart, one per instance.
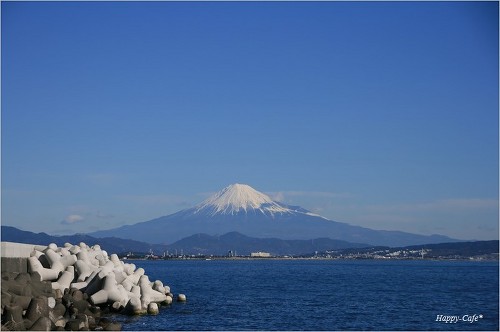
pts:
pixel 324 295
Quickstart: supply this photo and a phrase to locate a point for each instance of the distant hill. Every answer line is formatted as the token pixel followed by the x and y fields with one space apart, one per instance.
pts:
pixel 466 249
pixel 244 245
pixel 110 244
pixel 195 244
pixel 436 250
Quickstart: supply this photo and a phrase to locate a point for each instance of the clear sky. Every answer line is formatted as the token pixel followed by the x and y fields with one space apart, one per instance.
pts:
pixel 383 115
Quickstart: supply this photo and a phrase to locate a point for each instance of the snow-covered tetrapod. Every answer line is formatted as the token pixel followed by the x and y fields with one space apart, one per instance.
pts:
pixel 105 279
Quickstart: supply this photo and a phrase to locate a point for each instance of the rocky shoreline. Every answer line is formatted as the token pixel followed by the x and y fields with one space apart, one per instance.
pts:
pixel 76 287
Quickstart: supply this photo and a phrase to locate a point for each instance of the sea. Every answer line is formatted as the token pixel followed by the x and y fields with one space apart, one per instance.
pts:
pixel 324 295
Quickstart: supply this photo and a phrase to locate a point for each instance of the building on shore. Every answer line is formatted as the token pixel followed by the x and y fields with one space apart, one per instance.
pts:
pixel 260 254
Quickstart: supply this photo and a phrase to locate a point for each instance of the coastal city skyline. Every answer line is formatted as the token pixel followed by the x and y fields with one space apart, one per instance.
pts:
pixel 382 115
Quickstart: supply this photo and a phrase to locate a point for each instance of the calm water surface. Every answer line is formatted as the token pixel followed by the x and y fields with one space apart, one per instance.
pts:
pixel 323 295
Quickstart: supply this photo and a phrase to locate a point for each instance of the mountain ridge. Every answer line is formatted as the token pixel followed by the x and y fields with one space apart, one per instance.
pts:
pixel 242 245
pixel 194 244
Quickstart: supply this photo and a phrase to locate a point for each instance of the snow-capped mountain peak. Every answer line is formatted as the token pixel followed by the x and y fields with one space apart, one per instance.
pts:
pixel 243 209
pixel 241 198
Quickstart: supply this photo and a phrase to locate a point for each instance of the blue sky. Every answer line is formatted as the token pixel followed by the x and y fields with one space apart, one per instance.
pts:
pixel 383 115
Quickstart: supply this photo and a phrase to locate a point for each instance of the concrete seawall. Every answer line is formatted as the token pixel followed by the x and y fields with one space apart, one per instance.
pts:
pixel 15 255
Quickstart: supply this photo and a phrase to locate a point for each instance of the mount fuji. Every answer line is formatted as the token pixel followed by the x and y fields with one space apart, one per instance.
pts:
pixel 240 208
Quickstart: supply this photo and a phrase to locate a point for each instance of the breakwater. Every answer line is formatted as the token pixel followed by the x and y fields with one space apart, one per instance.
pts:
pixel 73 287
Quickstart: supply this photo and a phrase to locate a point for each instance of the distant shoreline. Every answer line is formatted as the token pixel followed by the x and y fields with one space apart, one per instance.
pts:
pixel 310 258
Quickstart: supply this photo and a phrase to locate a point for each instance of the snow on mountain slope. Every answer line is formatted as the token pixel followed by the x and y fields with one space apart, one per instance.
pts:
pixel 238 198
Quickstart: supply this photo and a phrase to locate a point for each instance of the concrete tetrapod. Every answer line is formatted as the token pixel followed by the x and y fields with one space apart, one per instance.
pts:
pixel 148 294
pixel 65 279
pixel 95 282
pixel 41 324
pixel 37 308
pixel 153 308
pixel 45 274
pixel 13 318
pixel 83 269
pixel 168 301
pixel 58 262
pixel 109 292
pixel 134 307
